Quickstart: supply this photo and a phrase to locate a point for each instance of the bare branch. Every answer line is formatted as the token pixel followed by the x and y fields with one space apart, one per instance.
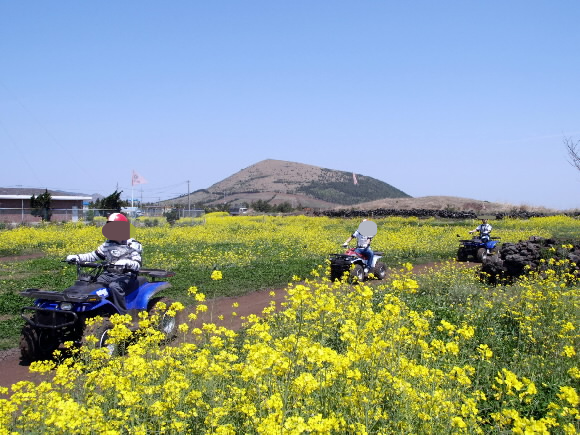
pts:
pixel 573 149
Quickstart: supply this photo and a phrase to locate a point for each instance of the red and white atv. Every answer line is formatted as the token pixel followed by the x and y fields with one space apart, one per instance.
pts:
pixel 356 265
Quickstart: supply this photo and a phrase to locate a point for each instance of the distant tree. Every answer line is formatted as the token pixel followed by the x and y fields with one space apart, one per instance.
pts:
pixel 217 207
pixel 262 206
pixel 172 216
pixel 223 207
pixel 285 207
pixel 573 149
pixel 111 203
pixel 40 206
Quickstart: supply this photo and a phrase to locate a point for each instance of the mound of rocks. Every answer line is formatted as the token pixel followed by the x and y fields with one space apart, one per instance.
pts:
pixel 426 213
pixel 515 259
pixel 384 212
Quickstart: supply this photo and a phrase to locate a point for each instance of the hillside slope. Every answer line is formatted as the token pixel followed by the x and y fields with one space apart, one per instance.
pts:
pixel 278 181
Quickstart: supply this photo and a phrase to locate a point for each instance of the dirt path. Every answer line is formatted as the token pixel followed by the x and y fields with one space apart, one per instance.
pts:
pixel 11 371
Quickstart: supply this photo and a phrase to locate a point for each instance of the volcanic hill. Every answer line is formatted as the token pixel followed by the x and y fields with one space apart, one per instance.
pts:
pixel 278 181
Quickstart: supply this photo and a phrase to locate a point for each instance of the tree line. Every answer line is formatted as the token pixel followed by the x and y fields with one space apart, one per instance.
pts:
pixel 41 205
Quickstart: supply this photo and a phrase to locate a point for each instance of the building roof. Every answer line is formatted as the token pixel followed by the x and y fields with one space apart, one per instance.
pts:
pixel 26 193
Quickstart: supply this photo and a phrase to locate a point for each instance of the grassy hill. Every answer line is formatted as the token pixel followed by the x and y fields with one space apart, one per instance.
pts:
pixel 278 181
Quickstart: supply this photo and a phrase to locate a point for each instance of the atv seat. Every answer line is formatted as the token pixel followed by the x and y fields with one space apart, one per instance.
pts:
pixel 85 288
pixel 82 288
pixel 141 280
pixel 364 257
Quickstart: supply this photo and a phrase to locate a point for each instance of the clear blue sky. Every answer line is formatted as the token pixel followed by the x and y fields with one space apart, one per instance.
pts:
pixel 460 98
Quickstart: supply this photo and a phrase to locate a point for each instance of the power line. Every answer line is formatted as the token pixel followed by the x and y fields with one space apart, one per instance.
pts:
pixel 42 126
pixel 21 155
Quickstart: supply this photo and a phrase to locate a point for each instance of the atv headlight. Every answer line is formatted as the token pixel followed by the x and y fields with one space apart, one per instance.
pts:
pixel 65 306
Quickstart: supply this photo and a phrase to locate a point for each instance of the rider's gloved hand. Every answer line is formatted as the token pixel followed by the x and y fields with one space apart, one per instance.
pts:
pixel 72 259
pixel 127 264
pixel 345 245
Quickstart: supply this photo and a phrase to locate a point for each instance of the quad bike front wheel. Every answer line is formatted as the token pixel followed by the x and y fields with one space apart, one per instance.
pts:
pixel 36 344
pixel 100 331
pixel 357 274
pixel 462 254
pixel 335 273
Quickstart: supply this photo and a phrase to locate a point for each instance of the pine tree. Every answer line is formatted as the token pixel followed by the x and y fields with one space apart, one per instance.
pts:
pixel 40 206
pixel 111 203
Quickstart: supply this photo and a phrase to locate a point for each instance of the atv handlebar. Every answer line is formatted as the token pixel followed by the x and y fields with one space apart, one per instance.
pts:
pixel 87 263
pixel 491 238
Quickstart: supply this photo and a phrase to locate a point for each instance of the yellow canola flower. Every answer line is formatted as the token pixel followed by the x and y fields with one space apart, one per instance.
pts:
pixel 484 351
pixel 569 351
pixel 338 359
pixel 216 275
pixel 570 395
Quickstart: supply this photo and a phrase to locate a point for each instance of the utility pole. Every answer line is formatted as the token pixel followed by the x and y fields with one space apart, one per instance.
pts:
pixel 188 201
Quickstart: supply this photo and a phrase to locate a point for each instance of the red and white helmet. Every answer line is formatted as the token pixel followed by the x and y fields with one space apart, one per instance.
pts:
pixel 117 217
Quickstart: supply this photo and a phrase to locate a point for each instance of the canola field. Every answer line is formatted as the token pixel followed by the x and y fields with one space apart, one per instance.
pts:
pixel 253 252
pixel 432 352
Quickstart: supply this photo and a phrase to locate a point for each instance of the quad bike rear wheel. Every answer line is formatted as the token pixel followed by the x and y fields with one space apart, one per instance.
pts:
pixel 167 324
pixel 380 270
pixel 481 255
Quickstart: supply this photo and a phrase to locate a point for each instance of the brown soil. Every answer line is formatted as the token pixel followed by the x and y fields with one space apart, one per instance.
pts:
pixel 12 371
pixel 11 258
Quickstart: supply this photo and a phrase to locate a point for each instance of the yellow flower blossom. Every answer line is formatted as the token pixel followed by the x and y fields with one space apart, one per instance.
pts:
pixel 216 275
pixel 568 351
pixel 570 395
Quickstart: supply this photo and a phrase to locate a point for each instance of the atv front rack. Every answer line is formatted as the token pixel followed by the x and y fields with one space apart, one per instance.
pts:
pixel 349 256
pixel 60 296
pixel 48 318
pixel 51 317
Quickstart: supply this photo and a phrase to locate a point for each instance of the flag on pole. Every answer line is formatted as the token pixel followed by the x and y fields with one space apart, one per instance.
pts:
pixel 137 179
pixel 354 180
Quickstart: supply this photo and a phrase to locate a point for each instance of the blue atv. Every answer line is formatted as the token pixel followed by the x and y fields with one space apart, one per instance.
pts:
pixel 57 317
pixel 479 248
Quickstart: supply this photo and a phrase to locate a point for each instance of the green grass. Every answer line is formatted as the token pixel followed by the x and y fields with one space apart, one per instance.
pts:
pixel 49 273
pixel 501 322
pixel 267 271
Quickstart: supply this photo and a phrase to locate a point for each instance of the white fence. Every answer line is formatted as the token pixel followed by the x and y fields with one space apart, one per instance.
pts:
pixel 23 215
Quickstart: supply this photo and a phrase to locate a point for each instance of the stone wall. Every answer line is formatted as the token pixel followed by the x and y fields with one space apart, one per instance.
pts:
pixel 515 259
pixel 427 213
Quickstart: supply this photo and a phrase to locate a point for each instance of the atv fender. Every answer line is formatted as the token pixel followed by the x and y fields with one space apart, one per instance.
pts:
pixel 139 299
pixel 491 244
